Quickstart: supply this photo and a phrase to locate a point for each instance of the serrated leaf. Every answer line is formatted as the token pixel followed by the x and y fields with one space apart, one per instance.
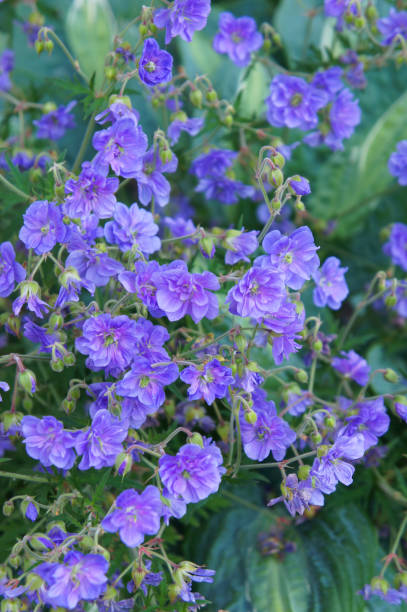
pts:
pixel 91 28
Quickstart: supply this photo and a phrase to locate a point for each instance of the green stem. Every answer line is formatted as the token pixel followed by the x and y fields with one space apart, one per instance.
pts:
pixel 82 150
pixel 355 315
pixel 23 476
pixel 71 59
pixel 257 466
pixel 16 190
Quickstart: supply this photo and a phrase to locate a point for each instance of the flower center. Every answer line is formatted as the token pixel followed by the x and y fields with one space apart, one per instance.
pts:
pixel 150 66
pixel 296 99
pixel 144 382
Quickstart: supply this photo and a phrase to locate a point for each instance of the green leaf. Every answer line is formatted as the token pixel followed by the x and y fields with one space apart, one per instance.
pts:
pixel 252 91
pixel 91 28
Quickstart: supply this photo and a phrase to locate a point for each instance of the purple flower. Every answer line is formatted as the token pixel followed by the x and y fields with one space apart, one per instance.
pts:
pixel 6 66
pixel 179 226
pixel 46 440
pixel 155 65
pixel 239 244
pixel 400 405
pixel 238 37
pixel 4 387
pixel 91 192
pixel 370 420
pixel 71 286
pixel 295 256
pixel 336 8
pixel 135 515
pixel 392 26
pixel 50 342
pixel 209 382
pixel 180 292
pixel 108 341
pixel 9 589
pixel 298 402
pixel 146 381
pixel 331 288
pixel 11 272
pixel 142 282
pixel 122 145
pixel 285 325
pixel 298 496
pixel 213 163
pixel 193 474
pixel 355 74
pixel 268 434
pixel 93 266
pixel 352 366
pixel 31 512
pixel 43 227
pixel 117 111
pixel 80 577
pixel 151 181
pixel 396 247
pixel 53 125
pixel 102 442
pixel 294 103
pixel 23 160
pixel 133 228
pixel 329 80
pixel 398 163
pixel 259 293
pixel 183 18
pixel 181 123
pixel 224 189
pixel 299 185
pixel 30 295
pixel 150 339
pixel 329 469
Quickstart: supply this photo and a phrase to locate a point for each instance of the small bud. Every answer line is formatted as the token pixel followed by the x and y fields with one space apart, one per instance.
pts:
pixel 49 107
pixel 39 46
pixel 86 543
pixel 10 419
pixel 250 417
pixel 34 582
pixel 195 97
pixel 276 178
pixel 211 96
pixel 143 29
pixel 8 507
pixel 322 450
pixel 27 403
pixel 279 160
pixel 27 381
pixel 301 376
pixel 299 205
pixel 330 422
pixel 391 376
pixel 75 393
pixel 49 46
pixel 114 98
pixel 241 343
pixel 371 12
pixel 56 321
pixel 223 431
pixel 138 573
pixel 277 39
pixel 68 406
pixel 57 365
pixel 165 155
pixel 400 579
pixel 380 584
pixel 69 359
pixel 267 44
pixel 275 204
pixel 227 121
pixel 196 438
pixel 29 509
pixel 303 472
pixel 400 399
pixel 390 301
pixel 360 22
pixel 207 247
pixel 316 437
pixel 317 346
pixel 110 73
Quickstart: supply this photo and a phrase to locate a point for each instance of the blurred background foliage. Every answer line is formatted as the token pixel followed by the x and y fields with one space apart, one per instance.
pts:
pixel 264 562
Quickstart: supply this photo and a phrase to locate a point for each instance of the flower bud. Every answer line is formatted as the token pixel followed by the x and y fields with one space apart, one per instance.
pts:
pixel 400 579
pixel 211 96
pixel 207 247
pixel 330 422
pixel 8 507
pixel 303 472
pixel 267 44
pixel 380 584
pixel 275 204
pixel 86 543
pixel 317 346
pixel 196 438
pixel 75 393
pixel 301 376
pixel 56 321
pixel 227 120
pixel 49 46
pixel 299 205
pixel 49 107
pixel 29 509
pixel 57 365
pixel 68 406
pixel 279 160
pixel 138 573
pixel 390 301
pixel 39 46
pixel 69 359
pixel 359 22
pixel 241 342
pixel 391 376
pixel 316 437
pixel 10 419
pixel 110 73
pixel 165 155
pixel 123 463
pixel 250 417
pixel 276 177
pixel 223 431
pixel 143 29
pixel 27 403
pixel 27 381
pixel 37 541
pixel 322 450
pixel 371 12
pixel 14 323
pixel 114 98
pixel 195 97
pixel 34 582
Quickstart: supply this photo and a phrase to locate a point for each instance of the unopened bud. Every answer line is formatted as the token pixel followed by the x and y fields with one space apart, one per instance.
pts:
pixel 317 346
pixel 391 376
pixel 8 507
pixel 316 437
pixel 250 417
pixel 196 438
pixel 359 22
pixel 267 44
pixel 390 301
pixel 301 376
pixel 49 46
pixel 110 73
pixel 303 472
pixel 211 96
pixel 86 543
pixel 227 121
pixel 27 381
pixel 241 342
pixel 57 365
pixel 330 422
pixel 207 247
pixel 276 178
pixel 322 450
pixel 39 46
pixel 69 359
pixel 195 97
pixel 275 204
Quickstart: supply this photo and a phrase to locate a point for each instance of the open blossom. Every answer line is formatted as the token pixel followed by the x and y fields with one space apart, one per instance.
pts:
pixel 213 163
pixel 370 420
pixel 11 272
pixel 53 125
pixel 146 380
pixel 334 466
pixel 182 18
pixel 259 293
pixel 46 440
pixel 135 515
pixel 48 339
pixel 294 103
pixel 121 146
pixel 43 227
pixel 285 326
pixel 151 181
pixel 298 495
pixel 268 434
pixel 239 244
pixel 294 255
pixel 181 123
pixel 352 366
pixel 398 162
pixel 180 292
pixel 392 26
pixel 133 228
pixel 331 288
pixel 108 341
pixel 91 192
pixel 193 473
pixel 329 80
pixel 224 189
pixel 209 382
pixel 396 247
pixel 143 282
pixel 155 64
pixel 102 442
pixel 94 268
pixel 30 295
pixel 79 577
pixel 238 37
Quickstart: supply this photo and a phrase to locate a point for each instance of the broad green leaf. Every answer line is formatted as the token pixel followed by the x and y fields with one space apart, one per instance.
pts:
pixel 90 28
pixel 252 91
pixel 378 358
pixel 299 27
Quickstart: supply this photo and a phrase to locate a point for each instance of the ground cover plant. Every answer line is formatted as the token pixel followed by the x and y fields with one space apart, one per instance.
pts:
pixel 203 305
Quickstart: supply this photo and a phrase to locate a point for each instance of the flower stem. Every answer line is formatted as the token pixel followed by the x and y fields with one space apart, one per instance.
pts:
pixel 16 190
pixel 23 476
